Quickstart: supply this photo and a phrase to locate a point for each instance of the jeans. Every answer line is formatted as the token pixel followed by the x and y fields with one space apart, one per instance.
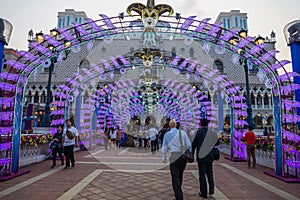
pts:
pixel 177 167
pixel 205 168
pixel 251 152
pixel 153 145
pixel 69 153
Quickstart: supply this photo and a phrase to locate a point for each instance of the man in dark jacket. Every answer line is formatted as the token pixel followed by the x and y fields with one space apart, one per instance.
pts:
pixel 204 142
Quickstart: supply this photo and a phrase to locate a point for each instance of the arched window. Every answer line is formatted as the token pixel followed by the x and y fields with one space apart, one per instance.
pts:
pixel 43 97
pixel 84 64
pixel 173 52
pixel 36 97
pixel 192 53
pixel 219 65
pixel 266 99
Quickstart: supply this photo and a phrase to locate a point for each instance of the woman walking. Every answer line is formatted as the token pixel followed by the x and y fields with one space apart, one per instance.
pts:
pixel 57 146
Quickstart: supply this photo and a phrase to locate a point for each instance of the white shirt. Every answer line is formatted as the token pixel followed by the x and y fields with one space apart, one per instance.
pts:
pixel 153 132
pixel 67 141
pixel 113 134
pixel 172 142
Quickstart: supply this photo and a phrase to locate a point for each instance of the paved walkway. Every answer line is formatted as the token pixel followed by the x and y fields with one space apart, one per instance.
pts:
pixel 133 174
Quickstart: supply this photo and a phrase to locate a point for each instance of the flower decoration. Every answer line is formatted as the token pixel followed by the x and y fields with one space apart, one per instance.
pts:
pixel 35 140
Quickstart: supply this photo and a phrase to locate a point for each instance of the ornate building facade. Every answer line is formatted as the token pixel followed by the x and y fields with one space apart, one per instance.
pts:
pixel 85 56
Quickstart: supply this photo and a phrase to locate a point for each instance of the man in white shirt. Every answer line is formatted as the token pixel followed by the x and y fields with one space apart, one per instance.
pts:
pixel 177 163
pixel 153 134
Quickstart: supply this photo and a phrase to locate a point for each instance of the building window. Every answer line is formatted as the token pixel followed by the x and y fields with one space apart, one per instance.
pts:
pixel 224 23
pixel 63 22
pixel 219 65
pixel 68 20
pixel 84 64
pixel 131 50
pixel 76 19
pixel 236 22
pixel 173 52
pixel 245 24
pixel 192 53
pixel 36 97
pixel 228 23
pixel 59 23
pixel 254 70
pixel 80 20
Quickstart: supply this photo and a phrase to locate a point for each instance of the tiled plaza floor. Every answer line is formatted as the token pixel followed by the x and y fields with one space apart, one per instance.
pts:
pixel 132 174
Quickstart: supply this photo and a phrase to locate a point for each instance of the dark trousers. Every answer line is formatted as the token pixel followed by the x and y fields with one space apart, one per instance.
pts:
pixel 153 145
pixel 69 153
pixel 251 152
pixel 146 143
pixel 177 167
pixel 118 143
pixel 205 168
pixel 140 142
pixel 54 152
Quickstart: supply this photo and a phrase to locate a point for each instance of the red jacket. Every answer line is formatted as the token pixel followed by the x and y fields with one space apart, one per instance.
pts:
pixel 250 137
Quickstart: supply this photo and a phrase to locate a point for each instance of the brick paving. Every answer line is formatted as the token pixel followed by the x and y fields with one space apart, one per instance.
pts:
pixel 134 174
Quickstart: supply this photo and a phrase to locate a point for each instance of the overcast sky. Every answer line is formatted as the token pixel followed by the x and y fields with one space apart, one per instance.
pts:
pixel 263 15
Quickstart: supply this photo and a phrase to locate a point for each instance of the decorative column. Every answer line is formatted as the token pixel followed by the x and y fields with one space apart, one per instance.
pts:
pixel 78 104
pixel 255 99
pixel 220 112
pixel 279 158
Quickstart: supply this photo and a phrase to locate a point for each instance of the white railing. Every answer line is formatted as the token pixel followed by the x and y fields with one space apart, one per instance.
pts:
pixel 30 154
pixel 265 158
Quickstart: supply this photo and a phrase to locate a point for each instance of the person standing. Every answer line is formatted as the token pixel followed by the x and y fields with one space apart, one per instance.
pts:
pixel 113 137
pixel 203 144
pixel 250 148
pixel 68 143
pixel 57 143
pixel 162 133
pixel 106 136
pixel 153 138
pixel 119 137
pixel 171 141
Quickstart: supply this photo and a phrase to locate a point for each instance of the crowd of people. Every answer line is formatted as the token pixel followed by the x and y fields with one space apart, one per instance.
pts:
pixel 201 143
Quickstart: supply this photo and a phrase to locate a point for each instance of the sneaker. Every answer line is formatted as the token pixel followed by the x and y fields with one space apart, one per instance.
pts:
pixel 52 166
pixel 66 167
pixel 73 164
pixel 211 193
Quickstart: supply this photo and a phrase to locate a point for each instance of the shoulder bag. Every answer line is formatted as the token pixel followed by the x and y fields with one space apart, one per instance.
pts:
pixel 186 155
pixel 70 135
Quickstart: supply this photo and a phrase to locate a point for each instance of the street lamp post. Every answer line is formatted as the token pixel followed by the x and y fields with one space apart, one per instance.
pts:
pixel 40 38
pixel 234 41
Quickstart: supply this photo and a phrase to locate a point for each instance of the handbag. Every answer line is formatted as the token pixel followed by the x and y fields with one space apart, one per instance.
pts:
pixel 186 155
pixel 70 134
pixel 216 154
pixel 53 145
